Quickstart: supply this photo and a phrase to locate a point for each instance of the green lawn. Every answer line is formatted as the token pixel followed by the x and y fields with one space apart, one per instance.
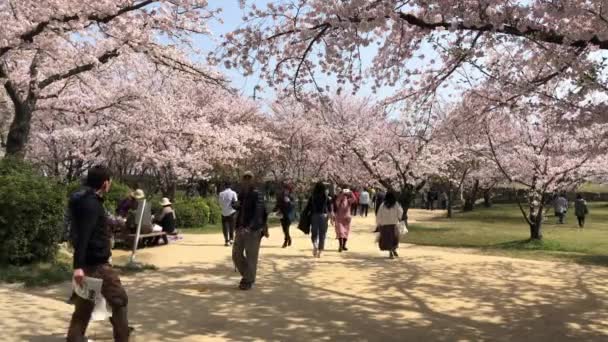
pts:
pixel 502 230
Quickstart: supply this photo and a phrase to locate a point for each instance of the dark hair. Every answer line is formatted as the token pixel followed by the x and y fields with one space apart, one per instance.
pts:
pixel 96 176
pixel 579 196
pixel 390 199
pixel 318 192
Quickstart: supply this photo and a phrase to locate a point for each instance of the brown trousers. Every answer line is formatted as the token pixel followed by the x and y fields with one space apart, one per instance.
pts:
pixel 115 295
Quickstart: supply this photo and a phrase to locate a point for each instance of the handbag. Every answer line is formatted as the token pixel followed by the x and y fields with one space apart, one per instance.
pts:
pixel 401 229
pixel 305 221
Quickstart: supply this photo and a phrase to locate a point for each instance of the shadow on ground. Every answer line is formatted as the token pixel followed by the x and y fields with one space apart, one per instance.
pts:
pixel 421 298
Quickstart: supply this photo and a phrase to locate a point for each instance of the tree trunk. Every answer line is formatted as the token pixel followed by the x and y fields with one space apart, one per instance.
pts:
pixel 405 200
pixel 487 199
pixel 19 131
pixel 535 202
pixel 169 190
pixel 450 198
pixel 203 188
pixel 471 197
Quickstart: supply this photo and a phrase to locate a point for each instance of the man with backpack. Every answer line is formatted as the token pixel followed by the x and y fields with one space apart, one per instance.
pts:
pixel 251 226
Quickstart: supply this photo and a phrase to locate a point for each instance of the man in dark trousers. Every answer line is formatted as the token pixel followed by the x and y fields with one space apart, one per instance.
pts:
pixel 92 251
pixel 250 227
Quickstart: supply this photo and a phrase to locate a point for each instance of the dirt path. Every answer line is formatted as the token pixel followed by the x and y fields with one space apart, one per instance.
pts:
pixel 429 294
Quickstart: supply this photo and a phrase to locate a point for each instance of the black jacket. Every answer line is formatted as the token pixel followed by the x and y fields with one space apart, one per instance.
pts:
pixel 90 233
pixel 251 211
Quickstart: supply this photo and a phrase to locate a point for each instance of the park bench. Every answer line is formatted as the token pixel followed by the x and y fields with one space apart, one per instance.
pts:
pixel 147 240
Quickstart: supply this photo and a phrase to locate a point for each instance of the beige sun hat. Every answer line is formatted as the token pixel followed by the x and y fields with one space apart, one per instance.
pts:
pixel 139 194
pixel 165 202
pixel 248 174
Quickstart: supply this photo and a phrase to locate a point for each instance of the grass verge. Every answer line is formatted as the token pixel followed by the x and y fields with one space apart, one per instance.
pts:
pixel 501 230
pixel 38 274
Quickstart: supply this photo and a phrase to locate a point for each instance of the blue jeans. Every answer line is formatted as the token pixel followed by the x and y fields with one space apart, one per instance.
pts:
pixel 318 230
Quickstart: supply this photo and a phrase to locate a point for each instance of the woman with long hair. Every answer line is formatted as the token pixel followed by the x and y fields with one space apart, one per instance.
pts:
pixel 319 208
pixel 389 215
pixel 342 217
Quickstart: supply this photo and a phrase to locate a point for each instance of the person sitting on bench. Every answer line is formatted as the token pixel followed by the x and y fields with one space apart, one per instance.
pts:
pixel 166 218
pixel 135 215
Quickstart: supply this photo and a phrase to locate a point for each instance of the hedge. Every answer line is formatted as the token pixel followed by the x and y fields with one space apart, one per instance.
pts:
pixel 192 212
pixel 31 214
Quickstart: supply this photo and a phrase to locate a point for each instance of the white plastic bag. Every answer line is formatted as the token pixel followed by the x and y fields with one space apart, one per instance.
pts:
pixel 100 312
pixel 91 290
pixel 402 228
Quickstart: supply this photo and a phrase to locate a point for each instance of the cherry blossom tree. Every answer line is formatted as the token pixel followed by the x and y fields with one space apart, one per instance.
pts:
pixel 380 148
pixel 155 122
pixel 45 45
pixel 536 145
pixel 294 42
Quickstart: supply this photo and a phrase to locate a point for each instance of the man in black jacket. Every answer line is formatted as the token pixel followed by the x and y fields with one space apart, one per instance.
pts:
pixel 250 227
pixel 92 250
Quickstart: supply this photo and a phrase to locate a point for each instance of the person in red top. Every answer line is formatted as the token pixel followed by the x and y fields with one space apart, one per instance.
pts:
pixel 354 205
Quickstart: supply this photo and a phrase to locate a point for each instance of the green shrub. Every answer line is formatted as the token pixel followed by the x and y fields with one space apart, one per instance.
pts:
pixel 31 214
pixel 215 211
pixel 118 192
pixel 191 212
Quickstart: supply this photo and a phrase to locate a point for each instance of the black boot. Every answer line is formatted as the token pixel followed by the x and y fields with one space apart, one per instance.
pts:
pixel 341 245
pixel 286 243
pixel 344 245
pixel 289 240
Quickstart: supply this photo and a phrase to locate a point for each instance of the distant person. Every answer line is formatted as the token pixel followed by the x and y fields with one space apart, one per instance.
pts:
pixel 425 200
pixel 92 252
pixel 379 199
pixel 286 207
pixel 125 205
pixel 389 215
pixel 355 204
pixel 250 228
pixel 364 200
pixel 166 218
pixel 228 199
pixel 561 207
pixel 319 207
pixel 580 210
pixel 342 217
pixel 433 196
pixel 444 200
pixel 141 212
pixel 372 196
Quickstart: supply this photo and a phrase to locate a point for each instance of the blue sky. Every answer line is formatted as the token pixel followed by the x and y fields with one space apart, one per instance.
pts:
pixel 231 17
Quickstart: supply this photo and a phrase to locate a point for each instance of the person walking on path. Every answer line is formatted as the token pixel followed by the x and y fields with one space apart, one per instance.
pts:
pixel 228 199
pixel 92 252
pixel 342 217
pixel 379 200
pixel 580 210
pixel 389 215
pixel 364 200
pixel 560 207
pixel 319 207
pixel 250 228
pixel 355 205
pixel 285 206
